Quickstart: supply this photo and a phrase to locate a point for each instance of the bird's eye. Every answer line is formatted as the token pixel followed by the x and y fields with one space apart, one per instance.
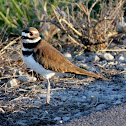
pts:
pixel 31 33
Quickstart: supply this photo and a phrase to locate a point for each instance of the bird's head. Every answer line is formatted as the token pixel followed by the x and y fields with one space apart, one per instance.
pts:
pixel 30 35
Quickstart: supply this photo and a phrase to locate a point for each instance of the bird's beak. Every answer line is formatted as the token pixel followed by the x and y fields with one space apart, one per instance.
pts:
pixel 23 34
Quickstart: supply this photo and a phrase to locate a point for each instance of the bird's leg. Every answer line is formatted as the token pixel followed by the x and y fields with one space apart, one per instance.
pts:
pixel 48 92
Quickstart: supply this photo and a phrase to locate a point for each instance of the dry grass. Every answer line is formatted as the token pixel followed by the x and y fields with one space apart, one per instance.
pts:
pixel 85 27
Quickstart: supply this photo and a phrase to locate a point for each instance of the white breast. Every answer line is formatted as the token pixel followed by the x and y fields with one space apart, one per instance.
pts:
pixel 31 63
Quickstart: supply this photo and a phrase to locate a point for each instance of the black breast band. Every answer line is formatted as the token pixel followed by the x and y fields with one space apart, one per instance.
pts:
pixel 27 53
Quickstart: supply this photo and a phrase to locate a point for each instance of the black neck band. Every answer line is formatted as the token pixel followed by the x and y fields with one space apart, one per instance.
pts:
pixel 27 53
pixel 31 45
pixel 24 37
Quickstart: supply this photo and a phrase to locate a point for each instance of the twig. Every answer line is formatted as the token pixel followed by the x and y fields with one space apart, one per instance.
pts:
pixel 73 40
pixel 112 50
pixel 108 44
pixel 11 43
pixel 122 72
pixel 2 85
pixel 77 32
pixel 89 11
pixel 55 89
pixel 11 76
pixel 55 23
pixel 64 27
pixel 82 7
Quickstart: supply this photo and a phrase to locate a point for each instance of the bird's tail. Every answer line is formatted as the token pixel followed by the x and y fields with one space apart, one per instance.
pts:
pixel 87 73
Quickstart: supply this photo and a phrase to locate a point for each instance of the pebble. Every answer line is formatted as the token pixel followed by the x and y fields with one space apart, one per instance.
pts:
pixel 21 123
pixel 37 103
pixel 64 98
pixel 45 114
pixel 108 57
pixel 121 27
pixel 92 58
pixel 80 57
pixel 57 118
pixel 42 96
pixel 68 56
pixel 122 59
pixel 117 102
pixel 16 72
pixel 65 119
pixel 12 83
pixel 100 106
pixel 78 114
pixel 22 112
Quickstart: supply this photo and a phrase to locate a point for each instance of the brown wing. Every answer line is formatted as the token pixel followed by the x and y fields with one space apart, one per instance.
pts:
pixel 51 59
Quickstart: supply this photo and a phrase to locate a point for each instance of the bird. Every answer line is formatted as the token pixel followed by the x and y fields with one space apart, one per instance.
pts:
pixel 46 60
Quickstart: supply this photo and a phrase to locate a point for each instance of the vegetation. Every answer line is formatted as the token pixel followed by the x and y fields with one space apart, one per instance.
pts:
pixel 84 23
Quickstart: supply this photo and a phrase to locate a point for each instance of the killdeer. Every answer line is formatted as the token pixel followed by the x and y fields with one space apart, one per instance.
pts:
pixel 43 58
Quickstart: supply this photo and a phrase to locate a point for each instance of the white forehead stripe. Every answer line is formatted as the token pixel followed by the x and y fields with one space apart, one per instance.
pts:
pixel 35 32
pixel 31 41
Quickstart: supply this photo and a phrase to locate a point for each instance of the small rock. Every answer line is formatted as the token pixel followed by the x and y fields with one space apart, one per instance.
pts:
pixel 64 98
pixel 123 80
pixel 100 106
pixel 117 102
pixel 122 59
pixel 45 114
pixel 27 78
pixel 16 72
pixel 68 56
pixel 12 83
pixel 121 27
pixel 22 112
pixel 57 118
pixel 65 119
pixel 108 56
pixel 96 58
pixel 42 96
pixel 78 99
pixel 80 57
pixel 94 100
pixel 84 97
pixel 124 42
pixel 77 114
pixel 121 68
pixel 37 103
pixel 21 123
pixel 93 58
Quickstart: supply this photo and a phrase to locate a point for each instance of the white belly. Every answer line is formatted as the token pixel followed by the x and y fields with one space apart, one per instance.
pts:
pixel 31 63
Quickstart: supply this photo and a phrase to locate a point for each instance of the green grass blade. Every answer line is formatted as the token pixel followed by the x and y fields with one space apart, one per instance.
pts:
pixel 7 21
pixel 16 6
